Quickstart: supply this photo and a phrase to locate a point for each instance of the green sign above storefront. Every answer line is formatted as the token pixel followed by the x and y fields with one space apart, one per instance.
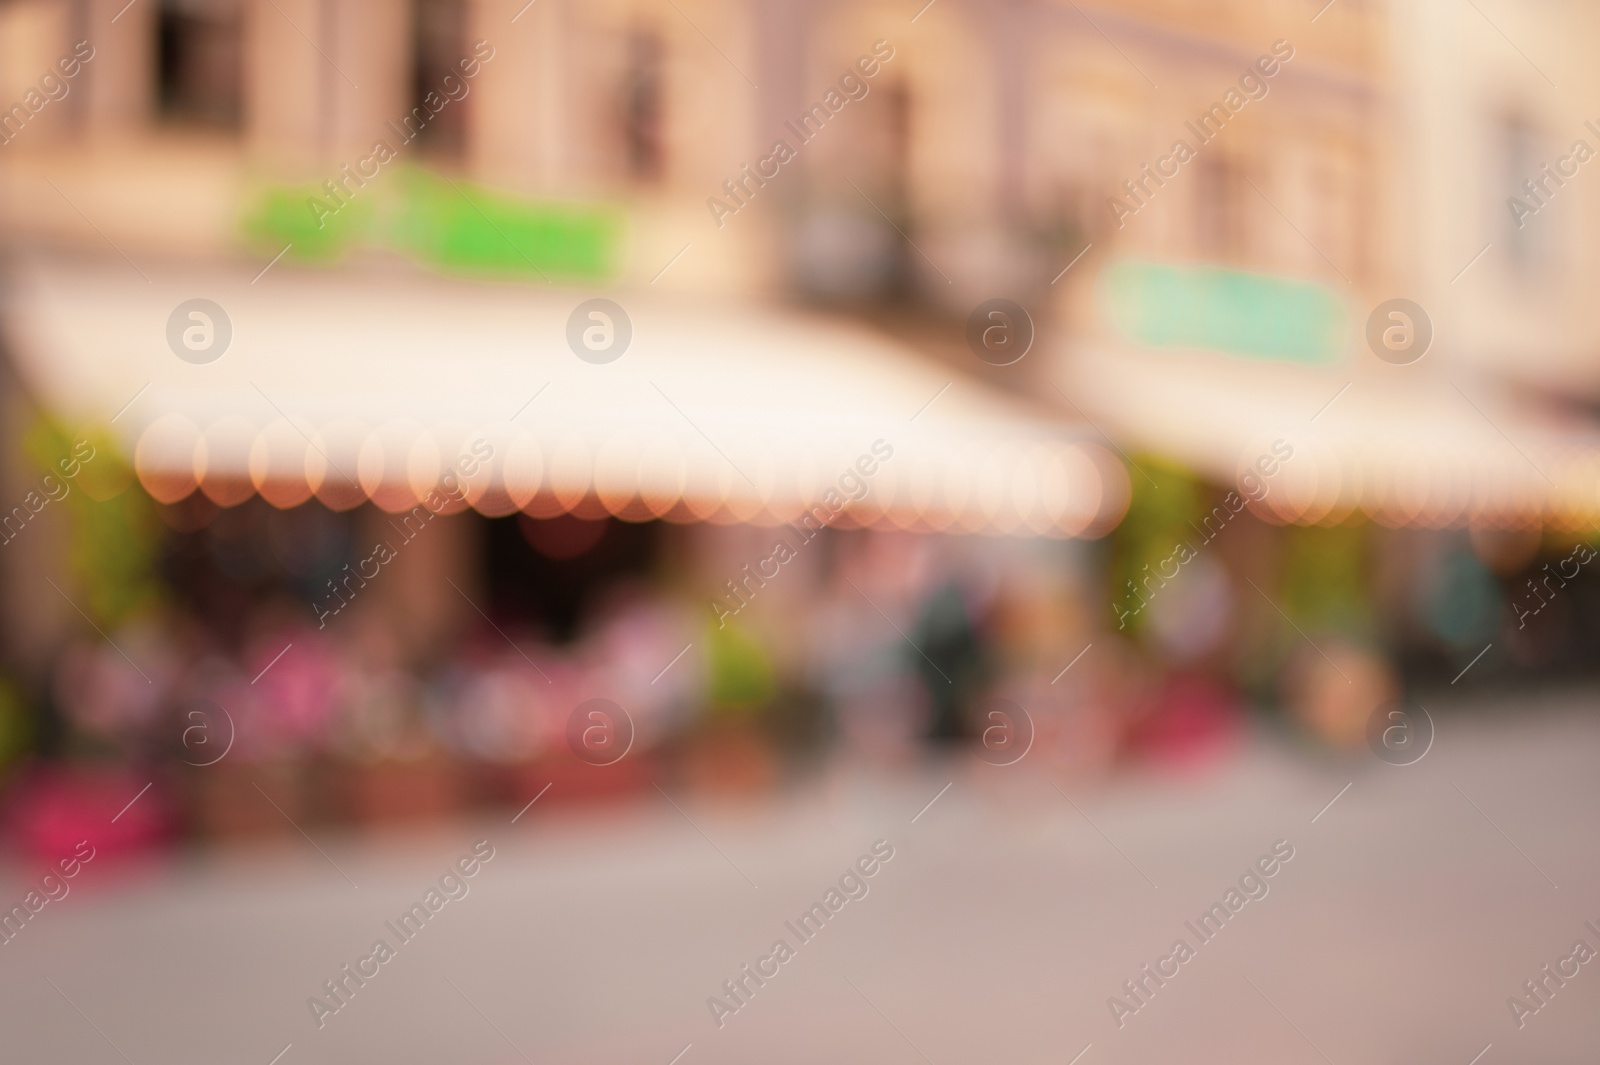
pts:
pixel 1259 316
pixel 451 225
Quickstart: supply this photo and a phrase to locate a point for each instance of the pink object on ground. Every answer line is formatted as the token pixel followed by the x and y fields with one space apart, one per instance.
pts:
pixel 49 809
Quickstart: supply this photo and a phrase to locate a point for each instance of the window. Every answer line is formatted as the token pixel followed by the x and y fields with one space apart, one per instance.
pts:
pixel 1217 224
pixel 439 45
pixel 1530 191
pixel 845 251
pixel 642 108
pixel 895 164
pixel 199 60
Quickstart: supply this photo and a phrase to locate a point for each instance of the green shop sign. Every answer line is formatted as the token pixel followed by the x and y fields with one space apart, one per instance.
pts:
pixel 1256 315
pixel 450 225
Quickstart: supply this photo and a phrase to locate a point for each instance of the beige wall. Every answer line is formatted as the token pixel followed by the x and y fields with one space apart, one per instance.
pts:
pixel 119 98
pixel 1379 143
pixel 33 35
pixel 323 77
pixel 519 121
pixel 1458 80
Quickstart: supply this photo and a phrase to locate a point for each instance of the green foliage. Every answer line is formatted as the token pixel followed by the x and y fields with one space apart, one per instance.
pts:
pixel 16 725
pixel 1158 519
pixel 1325 578
pixel 114 534
pixel 741 676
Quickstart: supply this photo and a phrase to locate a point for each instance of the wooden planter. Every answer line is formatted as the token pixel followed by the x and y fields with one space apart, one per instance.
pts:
pixel 731 759
pixel 381 793
pixel 235 800
pixel 573 781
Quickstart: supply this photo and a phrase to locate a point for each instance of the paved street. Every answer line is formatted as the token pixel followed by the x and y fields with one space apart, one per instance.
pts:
pixel 998 930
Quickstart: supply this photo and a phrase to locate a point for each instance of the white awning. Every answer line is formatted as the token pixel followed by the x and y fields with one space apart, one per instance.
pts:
pixel 355 385
pixel 1427 444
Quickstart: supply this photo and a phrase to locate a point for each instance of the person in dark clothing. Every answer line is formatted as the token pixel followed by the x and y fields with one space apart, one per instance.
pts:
pixel 951 660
